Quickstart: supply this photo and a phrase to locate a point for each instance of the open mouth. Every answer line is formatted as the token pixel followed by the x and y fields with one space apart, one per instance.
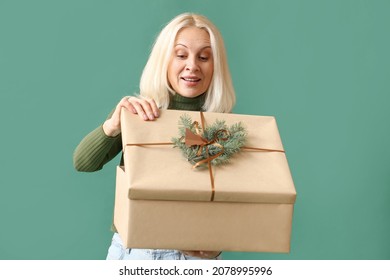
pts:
pixel 190 80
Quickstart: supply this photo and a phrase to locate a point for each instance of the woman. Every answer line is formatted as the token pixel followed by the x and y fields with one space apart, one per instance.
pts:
pixel 187 70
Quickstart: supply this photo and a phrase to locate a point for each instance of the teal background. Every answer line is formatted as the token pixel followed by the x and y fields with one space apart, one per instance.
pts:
pixel 320 67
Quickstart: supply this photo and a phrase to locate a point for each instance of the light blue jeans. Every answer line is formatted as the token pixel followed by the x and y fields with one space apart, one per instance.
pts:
pixel 118 252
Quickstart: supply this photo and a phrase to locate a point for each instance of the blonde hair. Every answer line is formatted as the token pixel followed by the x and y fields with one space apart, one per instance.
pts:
pixel 220 96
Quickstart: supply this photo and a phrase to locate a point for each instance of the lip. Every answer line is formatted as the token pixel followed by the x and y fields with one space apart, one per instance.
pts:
pixel 191 79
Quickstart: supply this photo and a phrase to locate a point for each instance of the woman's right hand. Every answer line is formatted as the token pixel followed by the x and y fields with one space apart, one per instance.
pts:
pixel 145 108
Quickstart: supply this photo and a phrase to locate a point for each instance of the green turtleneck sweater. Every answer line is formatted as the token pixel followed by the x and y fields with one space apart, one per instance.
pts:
pixel 96 149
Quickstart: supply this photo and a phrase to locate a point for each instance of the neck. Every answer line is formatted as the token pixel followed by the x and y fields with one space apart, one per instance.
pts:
pixel 179 102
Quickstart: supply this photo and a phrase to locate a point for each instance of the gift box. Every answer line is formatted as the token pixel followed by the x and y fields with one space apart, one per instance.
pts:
pixel 161 202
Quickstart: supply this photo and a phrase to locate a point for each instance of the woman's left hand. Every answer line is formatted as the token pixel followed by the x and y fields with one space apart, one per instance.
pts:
pixel 202 254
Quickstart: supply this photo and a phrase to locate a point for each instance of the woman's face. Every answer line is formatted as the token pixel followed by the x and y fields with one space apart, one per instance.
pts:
pixel 191 66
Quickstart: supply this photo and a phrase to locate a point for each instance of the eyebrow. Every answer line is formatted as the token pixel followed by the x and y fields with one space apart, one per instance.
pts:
pixel 205 47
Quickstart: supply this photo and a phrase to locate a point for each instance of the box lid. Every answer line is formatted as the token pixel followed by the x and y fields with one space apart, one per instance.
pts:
pixel 157 171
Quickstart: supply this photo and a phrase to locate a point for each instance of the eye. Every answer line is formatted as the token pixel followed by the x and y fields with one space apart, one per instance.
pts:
pixel 181 56
pixel 203 58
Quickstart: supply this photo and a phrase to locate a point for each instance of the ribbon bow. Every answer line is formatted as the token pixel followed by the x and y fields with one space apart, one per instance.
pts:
pixel 195 139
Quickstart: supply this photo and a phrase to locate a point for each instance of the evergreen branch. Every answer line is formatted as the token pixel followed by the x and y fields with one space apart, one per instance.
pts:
pixel 235 139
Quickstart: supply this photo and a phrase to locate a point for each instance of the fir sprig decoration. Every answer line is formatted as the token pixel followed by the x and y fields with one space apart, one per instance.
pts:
pixel 223 141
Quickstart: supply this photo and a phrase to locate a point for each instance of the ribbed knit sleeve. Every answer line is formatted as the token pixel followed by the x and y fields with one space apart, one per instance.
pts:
pixel 95 150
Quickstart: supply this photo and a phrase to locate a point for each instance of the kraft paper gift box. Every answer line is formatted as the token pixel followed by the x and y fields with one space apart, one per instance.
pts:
pixel 161 202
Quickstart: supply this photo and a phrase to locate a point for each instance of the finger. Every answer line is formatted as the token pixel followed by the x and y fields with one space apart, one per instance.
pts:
pixel 153 106
pixel 133 104
pixel 112 126
pixel 146 106
pixel 125 102
pixel 190 253
pixel 116 116
pixel 142 107
pixel 199 254
pixel 206 254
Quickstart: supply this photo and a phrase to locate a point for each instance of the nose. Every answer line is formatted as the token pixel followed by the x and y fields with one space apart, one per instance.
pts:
pixel 191 64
